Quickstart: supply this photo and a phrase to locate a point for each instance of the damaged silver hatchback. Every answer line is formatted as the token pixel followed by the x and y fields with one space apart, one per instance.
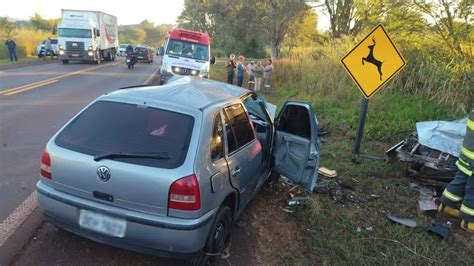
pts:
pixel 166 170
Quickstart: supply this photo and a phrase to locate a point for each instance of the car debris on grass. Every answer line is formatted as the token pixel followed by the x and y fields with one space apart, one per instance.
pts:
pixel 431 151
pixel 405 221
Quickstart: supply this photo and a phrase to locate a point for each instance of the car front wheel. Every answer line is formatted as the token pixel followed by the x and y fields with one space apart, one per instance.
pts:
pixel 218 238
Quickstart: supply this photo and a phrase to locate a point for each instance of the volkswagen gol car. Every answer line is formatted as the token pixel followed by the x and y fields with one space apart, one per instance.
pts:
pixel 165 170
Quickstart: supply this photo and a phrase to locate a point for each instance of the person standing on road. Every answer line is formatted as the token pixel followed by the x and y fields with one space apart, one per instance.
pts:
pixel 48 48
pixel 457 199
pixel 267 76
pixel 240 71
pixel 250 71
pixel 231 66
pixel 11 45
pixel 258 76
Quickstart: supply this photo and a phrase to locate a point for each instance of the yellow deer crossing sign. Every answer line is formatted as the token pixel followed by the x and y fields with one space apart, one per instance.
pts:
pixel 373 62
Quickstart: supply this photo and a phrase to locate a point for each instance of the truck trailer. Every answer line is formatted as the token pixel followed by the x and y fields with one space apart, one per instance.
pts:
pixel 87 36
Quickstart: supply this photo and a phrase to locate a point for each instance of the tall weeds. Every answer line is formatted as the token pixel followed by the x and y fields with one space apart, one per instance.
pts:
pixel 26 40
pixel 432 86
pixel 430 72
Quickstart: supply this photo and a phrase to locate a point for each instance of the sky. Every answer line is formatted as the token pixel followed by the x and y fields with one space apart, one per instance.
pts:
pixel 156 11
pixel 127 12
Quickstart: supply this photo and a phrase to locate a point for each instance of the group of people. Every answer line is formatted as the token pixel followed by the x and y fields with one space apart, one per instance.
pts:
pixel 255 72
pixel 11 45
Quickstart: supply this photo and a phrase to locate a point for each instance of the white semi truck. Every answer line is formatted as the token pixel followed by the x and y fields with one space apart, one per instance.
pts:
pixel 87 36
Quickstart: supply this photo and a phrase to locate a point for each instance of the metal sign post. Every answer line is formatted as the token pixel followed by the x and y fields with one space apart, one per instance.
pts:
pixel 364 105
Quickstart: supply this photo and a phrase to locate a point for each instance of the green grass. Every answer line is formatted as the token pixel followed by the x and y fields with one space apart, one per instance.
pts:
pixel 20 60
pixel 336 240
pixel 331 235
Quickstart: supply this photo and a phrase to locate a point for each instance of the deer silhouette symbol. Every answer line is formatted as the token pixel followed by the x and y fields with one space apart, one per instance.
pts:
pixel 371 59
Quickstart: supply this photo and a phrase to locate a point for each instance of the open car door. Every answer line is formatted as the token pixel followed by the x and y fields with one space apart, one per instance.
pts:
pixel 296 144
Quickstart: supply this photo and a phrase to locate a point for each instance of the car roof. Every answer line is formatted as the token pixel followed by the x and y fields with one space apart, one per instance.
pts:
pixel 189 91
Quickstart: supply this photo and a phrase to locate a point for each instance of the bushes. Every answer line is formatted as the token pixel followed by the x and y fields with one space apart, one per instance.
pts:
pixel 439 76
pixel 431 72
pixel 29 38
pixel 429 88
pixel 26 41
pixel 20 50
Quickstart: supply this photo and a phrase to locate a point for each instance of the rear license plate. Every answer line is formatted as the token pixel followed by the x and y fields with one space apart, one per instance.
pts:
pixel 140 57
pixel 101 223
pixel 75 55
pixel 128 60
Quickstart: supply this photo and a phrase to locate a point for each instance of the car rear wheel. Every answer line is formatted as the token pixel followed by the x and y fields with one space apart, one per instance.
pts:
pixel 218 238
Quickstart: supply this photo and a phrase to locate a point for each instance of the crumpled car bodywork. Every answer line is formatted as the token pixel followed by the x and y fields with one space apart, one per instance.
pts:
pixel 431 151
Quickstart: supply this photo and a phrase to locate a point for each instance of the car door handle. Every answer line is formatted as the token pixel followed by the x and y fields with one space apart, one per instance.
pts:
pixel 236 172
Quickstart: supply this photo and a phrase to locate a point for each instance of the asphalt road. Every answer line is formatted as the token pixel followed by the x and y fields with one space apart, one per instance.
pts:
pixel 35 101
pixel 30 113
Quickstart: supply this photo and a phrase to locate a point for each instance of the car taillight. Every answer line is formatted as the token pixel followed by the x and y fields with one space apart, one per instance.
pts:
pixel 45 165
pixel 185 195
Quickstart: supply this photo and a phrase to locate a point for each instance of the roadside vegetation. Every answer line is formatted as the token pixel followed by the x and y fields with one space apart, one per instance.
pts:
pixel 437 84
pixel 354 230
pixel 28 33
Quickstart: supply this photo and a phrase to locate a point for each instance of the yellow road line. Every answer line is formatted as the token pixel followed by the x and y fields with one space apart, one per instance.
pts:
pixel 30 87
pixel 47 81
pixel 23 86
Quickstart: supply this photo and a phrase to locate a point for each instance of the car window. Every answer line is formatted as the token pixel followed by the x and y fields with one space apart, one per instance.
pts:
pixel 295 120
pixel 256 108
pixel 217 147
pixel 112 127
pixel 238 129
pixel 54 41
pixel 188 49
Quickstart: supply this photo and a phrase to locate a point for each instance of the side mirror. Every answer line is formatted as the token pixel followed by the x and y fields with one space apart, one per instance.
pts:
pixel 160 51
pixel 213 60
pixel 97 32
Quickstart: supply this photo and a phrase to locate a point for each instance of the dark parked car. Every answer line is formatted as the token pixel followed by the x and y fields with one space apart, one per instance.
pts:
pixel 144 53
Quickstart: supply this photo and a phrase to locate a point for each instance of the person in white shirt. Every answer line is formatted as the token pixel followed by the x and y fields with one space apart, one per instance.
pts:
pixel 251 73
pixel 267 76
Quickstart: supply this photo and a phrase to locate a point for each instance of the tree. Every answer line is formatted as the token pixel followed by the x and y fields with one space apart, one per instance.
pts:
pixel 341 14
pixel 7 28
pixel 302 31
pixel 197 15
pixel 132 34
pixel 235 26
pixel 450 20
pixel 44 24
pixel 280 15
pixel 156 35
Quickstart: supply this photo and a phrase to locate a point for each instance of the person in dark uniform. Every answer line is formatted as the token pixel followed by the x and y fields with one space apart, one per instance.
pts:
pixel 11 45
pixel 458 197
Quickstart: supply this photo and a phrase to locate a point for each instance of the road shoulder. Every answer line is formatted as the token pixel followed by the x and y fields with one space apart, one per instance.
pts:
pixel 15 243
pixel 26 64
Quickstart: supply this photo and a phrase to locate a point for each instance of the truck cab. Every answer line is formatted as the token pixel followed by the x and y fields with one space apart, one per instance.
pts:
pixel 185 53
pixel 87 36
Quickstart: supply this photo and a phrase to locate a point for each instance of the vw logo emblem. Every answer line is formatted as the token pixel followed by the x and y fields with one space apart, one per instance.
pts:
pixel 185 71
pixel 103 173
